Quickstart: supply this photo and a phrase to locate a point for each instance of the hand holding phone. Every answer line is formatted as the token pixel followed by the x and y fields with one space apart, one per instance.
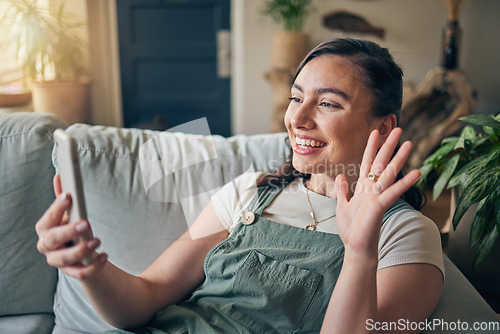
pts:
pixel 71 181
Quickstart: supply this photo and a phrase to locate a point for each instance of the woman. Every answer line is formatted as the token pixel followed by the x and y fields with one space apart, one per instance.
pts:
pixel 355 257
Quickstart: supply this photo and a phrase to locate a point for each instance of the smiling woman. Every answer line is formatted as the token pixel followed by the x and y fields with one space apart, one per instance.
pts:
pixel 371 85
pixel 323 245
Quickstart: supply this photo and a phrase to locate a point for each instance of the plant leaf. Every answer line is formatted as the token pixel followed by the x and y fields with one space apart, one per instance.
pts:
pixel 424 172
pixel 441 152
pixel 482 142
pixel 480 220
pixel 445 176
pixel 468 133
pixel 480 186
pixel 468 172
pixel 497 208
pixel 449 140
pixel 494 155
pixel 484 120
pixel 485 243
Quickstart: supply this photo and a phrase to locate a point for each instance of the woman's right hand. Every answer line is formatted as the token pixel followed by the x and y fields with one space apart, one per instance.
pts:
pixel 55 234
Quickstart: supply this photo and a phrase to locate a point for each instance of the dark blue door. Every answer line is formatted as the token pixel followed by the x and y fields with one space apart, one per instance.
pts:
pixel 169 62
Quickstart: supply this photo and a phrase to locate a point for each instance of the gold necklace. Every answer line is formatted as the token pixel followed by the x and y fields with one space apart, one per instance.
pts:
pixel 312 226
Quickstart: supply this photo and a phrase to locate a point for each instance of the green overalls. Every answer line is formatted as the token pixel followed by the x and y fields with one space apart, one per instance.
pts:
pixel 265 277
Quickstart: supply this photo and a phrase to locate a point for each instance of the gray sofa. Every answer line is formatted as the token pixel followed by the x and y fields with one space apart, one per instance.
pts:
pixel 143 189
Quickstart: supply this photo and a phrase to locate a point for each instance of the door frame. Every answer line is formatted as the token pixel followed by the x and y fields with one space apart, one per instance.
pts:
pixel 105 62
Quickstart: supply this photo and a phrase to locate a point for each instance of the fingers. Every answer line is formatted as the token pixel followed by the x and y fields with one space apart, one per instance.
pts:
pixel 58 237
pixel 392 169
pixel 385 152
pixel 52 244
pixel 56 181
pixel 369 153
pixel 81 272
pixel 342 189
pixel 54 214
pixel 392 193
pixel 68 256
pixel 384 170
pixel 55 233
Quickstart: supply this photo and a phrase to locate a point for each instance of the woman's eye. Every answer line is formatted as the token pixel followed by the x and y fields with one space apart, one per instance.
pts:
pixel 295 99
pixel 329 105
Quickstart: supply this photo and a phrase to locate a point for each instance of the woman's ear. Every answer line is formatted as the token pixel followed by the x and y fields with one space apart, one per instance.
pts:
pixel 386 125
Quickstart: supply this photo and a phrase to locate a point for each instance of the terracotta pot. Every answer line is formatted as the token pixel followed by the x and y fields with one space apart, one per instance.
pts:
pixel 288 49
pixel 68 100
pixel 14 100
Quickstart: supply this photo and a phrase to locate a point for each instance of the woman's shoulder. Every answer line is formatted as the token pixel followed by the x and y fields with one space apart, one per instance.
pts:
pixel 404 216
pixel 408 222
pixel 230 200
pixel 408 236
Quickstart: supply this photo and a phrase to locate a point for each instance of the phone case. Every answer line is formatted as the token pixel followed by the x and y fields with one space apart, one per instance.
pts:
pixel 71 180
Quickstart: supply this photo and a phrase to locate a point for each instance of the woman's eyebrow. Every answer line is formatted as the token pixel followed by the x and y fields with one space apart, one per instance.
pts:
pixel 297 87
pixel 326 90
pixel 333 91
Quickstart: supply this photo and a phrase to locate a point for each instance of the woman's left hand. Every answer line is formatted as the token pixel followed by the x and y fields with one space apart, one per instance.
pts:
pixel 359 217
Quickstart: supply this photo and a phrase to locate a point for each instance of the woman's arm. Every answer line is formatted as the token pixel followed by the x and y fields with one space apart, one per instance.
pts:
pixel 364 296
pixel 125 301
pixel 121 299
pixel 367 302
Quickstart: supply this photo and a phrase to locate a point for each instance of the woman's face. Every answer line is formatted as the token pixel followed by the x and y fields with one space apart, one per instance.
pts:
pixel 329 117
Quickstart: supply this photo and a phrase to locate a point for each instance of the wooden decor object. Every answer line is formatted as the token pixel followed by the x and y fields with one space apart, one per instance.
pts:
pixel 280 81
pixel 431 112
pixel 287 51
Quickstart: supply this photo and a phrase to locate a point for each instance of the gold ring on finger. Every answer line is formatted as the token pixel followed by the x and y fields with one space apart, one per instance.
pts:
pixel 373 177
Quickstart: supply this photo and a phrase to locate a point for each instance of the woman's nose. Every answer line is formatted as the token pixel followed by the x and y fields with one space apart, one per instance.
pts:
pixel 303 117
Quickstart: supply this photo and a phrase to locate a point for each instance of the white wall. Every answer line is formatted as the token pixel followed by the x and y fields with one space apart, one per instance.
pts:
pixel 413 35
pixel 9 71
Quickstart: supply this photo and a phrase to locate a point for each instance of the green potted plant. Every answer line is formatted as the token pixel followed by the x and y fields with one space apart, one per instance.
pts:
pixel 290 44
pixel 470 163
pixel 51 55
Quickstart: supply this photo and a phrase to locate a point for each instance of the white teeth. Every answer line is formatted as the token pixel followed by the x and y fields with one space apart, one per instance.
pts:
pixel 308 142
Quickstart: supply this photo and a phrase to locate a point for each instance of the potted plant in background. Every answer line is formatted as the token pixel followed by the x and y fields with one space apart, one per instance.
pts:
pixel 290 44
pixel 470 165
pixel 52 56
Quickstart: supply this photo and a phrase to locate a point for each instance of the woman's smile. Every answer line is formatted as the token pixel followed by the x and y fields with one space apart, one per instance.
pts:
pixel 307 145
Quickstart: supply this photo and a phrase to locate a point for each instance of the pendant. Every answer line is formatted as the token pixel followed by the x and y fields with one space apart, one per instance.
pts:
pixel 311 227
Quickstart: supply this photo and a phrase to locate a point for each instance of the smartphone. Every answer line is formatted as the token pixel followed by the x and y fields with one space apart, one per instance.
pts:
pixel 71 181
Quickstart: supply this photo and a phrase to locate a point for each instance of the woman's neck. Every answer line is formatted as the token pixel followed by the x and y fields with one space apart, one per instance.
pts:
pixel 325 184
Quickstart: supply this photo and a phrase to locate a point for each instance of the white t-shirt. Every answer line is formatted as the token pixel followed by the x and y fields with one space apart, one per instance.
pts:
pixel 405 237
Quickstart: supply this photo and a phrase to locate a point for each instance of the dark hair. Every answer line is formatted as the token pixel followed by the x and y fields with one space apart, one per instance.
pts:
pixel 381 75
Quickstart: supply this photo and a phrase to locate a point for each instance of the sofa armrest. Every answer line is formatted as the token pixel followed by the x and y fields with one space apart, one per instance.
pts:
pixel 461 304
pixel 27 283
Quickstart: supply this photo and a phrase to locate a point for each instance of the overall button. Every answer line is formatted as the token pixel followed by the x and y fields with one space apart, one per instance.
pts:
pixel 247 218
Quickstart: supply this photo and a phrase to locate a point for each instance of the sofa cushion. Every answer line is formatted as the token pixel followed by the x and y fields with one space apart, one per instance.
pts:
pixel 27 323
pixel 459 302
pixel 27 282
pixel 144 188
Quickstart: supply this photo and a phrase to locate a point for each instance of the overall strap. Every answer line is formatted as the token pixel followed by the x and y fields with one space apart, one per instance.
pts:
pixel 265 195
